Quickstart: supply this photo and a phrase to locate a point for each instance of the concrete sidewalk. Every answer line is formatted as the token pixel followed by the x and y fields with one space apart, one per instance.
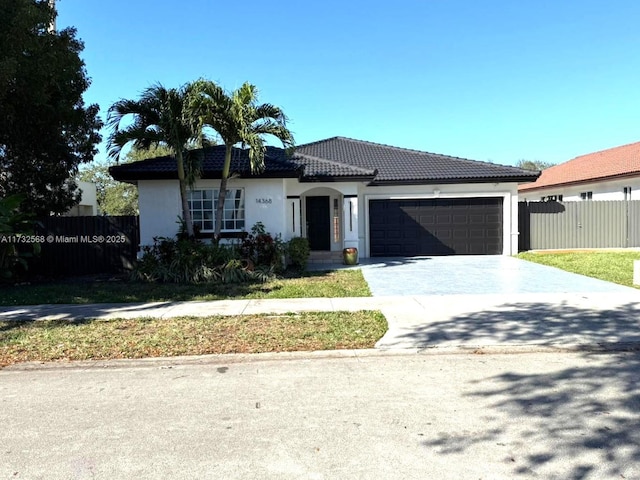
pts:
pixel 421 321
pixel 196 309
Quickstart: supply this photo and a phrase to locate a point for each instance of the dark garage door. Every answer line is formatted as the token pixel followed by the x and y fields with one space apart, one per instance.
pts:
pixel 462 226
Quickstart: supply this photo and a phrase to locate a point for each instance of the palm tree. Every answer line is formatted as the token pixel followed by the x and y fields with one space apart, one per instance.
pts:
pixel 161 117
pixel 239 120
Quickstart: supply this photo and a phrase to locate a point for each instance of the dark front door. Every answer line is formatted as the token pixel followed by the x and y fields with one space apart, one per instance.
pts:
pixel 318 223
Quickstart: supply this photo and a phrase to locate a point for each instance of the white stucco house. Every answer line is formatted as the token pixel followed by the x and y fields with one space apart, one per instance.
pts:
pixel 340 192
pixel 612 174
pixel 88 205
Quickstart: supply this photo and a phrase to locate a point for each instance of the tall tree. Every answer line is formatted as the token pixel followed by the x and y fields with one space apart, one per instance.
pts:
pixel 46 130
pixel 534 165
pixel 239 120
pixel 161 117
pixel 117 198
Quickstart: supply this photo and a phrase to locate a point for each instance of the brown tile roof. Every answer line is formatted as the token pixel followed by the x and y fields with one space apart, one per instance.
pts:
pixel 336 159
pixel 394 165
pixel 614 162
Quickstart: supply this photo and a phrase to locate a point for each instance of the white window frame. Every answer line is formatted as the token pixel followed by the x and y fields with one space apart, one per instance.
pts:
pixel 203 204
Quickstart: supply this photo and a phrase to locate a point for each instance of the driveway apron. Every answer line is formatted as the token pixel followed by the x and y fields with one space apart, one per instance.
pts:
pixel 474 275
pixel 490 301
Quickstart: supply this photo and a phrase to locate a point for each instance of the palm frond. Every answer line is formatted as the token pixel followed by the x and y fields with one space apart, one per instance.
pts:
pixel 257 149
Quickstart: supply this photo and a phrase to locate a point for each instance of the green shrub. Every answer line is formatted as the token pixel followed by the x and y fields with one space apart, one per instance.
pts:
pixel 299 251
pixel 191 261
pixel 262 248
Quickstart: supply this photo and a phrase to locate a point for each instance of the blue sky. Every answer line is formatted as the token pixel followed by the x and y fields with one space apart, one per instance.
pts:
pixel 490 80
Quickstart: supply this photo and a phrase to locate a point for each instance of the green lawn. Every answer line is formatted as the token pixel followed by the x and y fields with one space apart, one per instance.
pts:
pixel 341 283
pixel 60 340
pixel 616 267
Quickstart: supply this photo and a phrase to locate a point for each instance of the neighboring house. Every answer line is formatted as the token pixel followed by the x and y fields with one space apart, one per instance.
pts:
pixel 339 192
pixel 88 205
pixel 612 174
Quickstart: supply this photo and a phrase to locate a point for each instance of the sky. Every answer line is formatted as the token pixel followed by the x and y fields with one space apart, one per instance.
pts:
pixel 490 80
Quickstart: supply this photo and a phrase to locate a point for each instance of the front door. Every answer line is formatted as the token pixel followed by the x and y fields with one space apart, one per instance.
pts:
pixel 318 223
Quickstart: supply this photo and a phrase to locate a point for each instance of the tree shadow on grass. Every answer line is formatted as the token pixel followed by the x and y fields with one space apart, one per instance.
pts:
pixel 120 290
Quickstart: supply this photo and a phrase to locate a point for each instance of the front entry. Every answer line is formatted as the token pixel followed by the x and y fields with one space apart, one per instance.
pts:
pixel 318 223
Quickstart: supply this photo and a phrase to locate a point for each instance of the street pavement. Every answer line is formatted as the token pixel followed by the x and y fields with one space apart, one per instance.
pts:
pixel 325 415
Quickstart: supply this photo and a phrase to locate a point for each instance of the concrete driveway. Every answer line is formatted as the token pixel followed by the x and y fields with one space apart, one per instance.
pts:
pixel 498 301
pixel 474 274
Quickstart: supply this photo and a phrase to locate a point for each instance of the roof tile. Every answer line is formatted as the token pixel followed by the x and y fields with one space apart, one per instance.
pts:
pixel 404 165
pixel 612 162
pixel 337 158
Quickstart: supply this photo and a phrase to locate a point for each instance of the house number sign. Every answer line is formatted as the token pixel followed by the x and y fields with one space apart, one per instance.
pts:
pixel 264 201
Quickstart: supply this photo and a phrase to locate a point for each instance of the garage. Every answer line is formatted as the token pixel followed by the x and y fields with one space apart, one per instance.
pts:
pixel 455 226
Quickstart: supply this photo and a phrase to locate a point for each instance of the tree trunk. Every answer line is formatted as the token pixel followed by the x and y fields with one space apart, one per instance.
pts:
pixel 222 193
pixel 186 213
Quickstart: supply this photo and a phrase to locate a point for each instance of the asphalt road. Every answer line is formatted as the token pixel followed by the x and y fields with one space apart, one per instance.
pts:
pixel 348 415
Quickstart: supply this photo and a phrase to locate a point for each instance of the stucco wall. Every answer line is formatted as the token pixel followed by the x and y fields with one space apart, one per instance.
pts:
pixel 160 205
pixel 88 205
pixel 606 190
pixel 266 201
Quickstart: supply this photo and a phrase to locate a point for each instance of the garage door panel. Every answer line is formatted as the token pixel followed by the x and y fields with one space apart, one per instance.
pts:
pixel 435 226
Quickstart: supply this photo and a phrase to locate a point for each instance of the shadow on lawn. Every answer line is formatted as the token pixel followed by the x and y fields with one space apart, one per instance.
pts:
pixel 576 423
pixel 79 290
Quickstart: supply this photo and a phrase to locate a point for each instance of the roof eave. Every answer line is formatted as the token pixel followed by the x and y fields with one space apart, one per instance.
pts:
pixel 330 178
pixel 582 182
pixel 448 181
pixel 134 178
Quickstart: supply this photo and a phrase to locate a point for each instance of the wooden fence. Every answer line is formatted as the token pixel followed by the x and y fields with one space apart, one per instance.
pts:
pixel 87 245
pixel 587 224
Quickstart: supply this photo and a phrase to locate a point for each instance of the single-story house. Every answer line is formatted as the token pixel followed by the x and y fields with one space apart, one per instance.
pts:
pixel 88 205
pixel 612 174
pixel 340 192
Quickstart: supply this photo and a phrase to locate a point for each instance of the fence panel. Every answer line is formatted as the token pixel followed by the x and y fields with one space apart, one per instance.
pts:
pixel 633 229
pixel 87 245
pixel 595 224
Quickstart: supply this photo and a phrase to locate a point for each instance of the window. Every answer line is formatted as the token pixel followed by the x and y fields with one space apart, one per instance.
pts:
pixel 203 204
pixel 627 193
pixel 586 195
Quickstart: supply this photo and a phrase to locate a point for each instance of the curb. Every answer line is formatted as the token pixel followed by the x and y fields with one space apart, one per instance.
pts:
pixel 235 358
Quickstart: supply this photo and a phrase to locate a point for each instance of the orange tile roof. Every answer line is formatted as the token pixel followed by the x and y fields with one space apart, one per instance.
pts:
pixel 618 161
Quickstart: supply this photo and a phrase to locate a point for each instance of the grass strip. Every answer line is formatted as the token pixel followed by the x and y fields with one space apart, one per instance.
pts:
pixel 340 283
pixel 60 340
pixel 616 267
